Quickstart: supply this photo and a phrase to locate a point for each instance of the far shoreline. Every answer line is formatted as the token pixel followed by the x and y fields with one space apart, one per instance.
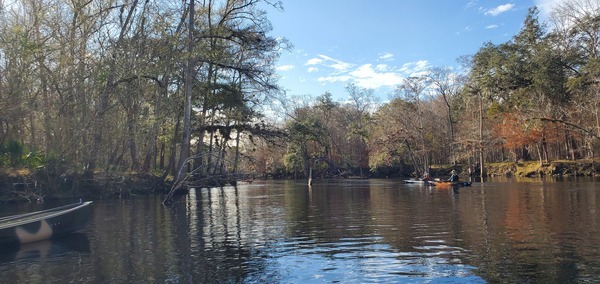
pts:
pixel 21 185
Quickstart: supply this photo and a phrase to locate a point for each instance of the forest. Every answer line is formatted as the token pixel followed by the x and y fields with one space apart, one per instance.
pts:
pixel 93 89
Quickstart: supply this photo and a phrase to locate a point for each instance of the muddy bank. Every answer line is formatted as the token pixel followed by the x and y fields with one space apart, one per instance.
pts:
pixel 24 185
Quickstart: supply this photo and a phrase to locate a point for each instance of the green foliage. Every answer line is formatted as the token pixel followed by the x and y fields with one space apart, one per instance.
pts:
pixel 494 110
pixel 589 73
pixel 307 129
pixel 516 74
pixel 12 154
pixel 326 103
pixel 292 160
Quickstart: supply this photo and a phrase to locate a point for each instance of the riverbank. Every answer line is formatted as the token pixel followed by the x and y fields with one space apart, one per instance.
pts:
pixel 37 186
pixel 590 167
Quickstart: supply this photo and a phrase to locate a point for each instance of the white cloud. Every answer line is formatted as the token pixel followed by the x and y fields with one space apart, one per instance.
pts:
pixel 285 67
pixel 491 27
pixel 314 61
pixel 333 79
pixel 386 56
pixel 381 67
pixel 415 68
pixel 465 29
pixel 367 77
pixel 325 57
pixel 341 66
pixel 546 6
pixel 330 62
pixel 500 9
pixel 337 64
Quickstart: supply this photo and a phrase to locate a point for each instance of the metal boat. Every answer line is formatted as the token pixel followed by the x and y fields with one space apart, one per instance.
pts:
pixel 45 224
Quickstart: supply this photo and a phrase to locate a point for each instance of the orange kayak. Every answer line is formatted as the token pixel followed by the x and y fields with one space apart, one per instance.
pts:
pixel 448 184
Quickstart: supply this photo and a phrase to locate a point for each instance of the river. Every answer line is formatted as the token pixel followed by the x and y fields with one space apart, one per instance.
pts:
pixel 348 231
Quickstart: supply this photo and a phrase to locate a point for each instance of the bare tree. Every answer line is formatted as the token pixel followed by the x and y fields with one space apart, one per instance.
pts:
pixel 447 84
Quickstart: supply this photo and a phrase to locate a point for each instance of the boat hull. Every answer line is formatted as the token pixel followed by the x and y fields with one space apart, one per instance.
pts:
pixel 41 225
pixel 414 181
pixel 449 184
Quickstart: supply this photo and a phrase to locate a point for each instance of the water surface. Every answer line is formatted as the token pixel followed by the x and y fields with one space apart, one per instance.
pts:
pixel 350 231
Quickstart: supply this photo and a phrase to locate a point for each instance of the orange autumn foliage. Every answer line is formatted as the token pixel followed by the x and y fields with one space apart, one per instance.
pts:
pixel 517 131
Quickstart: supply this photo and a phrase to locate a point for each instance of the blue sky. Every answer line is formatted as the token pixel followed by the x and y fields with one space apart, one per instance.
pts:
pixel 376 43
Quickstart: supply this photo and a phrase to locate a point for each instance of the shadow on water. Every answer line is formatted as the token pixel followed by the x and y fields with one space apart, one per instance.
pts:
pixel 60 260
pixel 76 242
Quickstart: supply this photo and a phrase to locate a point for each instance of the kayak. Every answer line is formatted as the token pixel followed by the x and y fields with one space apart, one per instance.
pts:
pixel 417 181
pixel 444 183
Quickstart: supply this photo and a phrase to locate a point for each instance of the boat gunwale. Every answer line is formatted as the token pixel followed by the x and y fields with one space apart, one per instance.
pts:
pixel 18 220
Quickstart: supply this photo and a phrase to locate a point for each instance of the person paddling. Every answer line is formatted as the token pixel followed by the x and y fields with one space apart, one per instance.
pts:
pixel 454 177
pixel 426 177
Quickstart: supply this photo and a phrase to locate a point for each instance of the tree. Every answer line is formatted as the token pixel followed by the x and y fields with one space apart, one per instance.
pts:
pixel 413 91
pixel 356 118
pixel 189 75
pixel 576 35
pixel 308 140
pixel 447 84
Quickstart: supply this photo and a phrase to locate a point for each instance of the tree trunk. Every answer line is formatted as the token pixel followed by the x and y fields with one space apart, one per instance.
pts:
pixel 150 157
pixel 161 164
pixel 481 153
pixel 172 168
pixel 104 103
pixel 237 152
pixel 187 109
pixel 131 139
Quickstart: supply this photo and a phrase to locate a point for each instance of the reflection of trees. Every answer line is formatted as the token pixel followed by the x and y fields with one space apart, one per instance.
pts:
pixel 529 232
pixel 218 231
pixel 420 221
pixel 51 260
pixel 330 214
pixel 414 229
pixel 512 232
pixel 139 231
pixel 214 234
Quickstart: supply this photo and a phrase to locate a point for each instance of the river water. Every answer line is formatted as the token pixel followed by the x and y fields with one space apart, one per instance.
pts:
pixel 350 231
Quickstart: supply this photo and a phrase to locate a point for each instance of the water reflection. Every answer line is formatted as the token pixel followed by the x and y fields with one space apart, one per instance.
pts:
pixel 536 231
pixel 291 233
pixel 334 231
pixel 33 252
pixel 47 261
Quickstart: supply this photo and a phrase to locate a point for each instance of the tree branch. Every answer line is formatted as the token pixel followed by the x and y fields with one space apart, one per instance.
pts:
pixel 553 120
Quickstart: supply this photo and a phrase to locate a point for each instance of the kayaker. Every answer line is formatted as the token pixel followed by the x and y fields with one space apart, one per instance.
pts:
pixel 454 177
pixel 426 177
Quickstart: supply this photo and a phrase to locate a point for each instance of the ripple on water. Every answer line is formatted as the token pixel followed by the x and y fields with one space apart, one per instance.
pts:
pixel 363 259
